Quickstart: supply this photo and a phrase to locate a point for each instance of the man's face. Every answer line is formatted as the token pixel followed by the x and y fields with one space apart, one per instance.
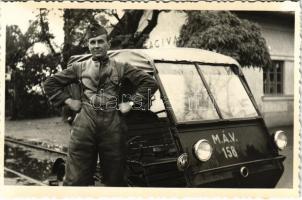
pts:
pixel 98 46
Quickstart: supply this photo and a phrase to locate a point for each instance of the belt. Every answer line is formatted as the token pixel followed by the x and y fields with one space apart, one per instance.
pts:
pixel 104 107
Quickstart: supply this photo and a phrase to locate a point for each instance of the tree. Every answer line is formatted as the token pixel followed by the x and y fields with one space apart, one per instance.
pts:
pixel 124 30
pixel 30 101
pixel 225 33
pixel 17 44
pixel 28 68
pixel 75 23
pixel 44 35
pixel 125 33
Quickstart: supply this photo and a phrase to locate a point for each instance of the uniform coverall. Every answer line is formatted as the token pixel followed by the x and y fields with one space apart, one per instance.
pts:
pixel 98 129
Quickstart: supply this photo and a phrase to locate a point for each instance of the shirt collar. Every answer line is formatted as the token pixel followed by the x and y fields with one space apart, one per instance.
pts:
pixel 101 60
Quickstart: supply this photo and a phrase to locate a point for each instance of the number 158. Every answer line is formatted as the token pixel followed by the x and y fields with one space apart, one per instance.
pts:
pixel 229 152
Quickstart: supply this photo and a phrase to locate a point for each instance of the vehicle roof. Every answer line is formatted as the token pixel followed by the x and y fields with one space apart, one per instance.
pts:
pixel 142 58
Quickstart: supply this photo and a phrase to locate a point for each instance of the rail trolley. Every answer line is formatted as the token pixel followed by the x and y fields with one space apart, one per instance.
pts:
pixel 203 128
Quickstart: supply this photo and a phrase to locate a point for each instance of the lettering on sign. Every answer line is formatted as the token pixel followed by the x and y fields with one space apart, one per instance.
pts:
pixel 227 138
pixel 223 138
pixel 163 42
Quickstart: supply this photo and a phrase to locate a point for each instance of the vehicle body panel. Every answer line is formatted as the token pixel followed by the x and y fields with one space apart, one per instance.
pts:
pixel 155 142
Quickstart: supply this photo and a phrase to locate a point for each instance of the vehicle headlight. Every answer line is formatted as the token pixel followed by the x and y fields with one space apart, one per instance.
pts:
pixel 182 162
pixel 280 139
pixel 203 150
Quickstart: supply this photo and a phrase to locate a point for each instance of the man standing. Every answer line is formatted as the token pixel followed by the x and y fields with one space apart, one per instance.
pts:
pixel 97 129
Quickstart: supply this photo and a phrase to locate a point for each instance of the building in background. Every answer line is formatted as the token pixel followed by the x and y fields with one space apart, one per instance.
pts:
pixel 273 88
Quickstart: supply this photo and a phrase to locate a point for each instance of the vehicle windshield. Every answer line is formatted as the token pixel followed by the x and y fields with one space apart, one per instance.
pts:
pixel 228 91
pixel 190 99
pixel 186 93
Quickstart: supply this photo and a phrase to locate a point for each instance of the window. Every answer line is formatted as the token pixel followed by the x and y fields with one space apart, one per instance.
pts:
pixel 186 92
pixel 273 78
pixel 189 98
pixel 228 91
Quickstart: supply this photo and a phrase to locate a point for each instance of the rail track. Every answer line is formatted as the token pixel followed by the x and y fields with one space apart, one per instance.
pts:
pixel 23 176
pixel 34 146
pixel 20 173
pixel 17 173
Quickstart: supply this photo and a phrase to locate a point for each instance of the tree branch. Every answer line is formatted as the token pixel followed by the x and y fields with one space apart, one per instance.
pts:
pixel 151 23
pixel 45 32
pixel 128 23
pixel 141 38
pixel 116 16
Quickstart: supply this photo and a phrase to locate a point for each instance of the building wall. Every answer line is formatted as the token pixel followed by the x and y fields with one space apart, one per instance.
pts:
pixel 165 34
pixel 276 110
pixel 278 31
pixel 289 77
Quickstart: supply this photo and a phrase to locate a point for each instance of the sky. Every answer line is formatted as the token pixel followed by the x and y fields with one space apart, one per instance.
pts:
pixel 21 16
pixel 16 15
pixel 164 35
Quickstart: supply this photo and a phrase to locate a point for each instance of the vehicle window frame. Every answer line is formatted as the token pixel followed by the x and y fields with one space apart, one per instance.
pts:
pixel 168 106
pixel 160 99
pixel 240 76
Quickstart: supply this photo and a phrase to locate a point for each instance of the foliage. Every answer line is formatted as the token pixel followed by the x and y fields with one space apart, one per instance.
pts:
pixel 75 24
pixel 44 35
pixel 124 30
pixel 17 44
pixel 126 33
pixel 29 69
pixel 225 33
pixel 29 102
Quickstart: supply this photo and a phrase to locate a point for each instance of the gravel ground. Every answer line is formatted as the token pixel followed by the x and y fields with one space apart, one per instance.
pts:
pixel 12 179
pixel 49 130
pixel 286 181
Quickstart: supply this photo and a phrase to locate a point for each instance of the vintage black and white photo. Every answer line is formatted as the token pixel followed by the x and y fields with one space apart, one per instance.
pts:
pixel 104 96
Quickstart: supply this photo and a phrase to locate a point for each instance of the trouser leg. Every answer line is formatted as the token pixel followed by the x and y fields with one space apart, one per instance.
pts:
pixel 82 153
pixel 112 150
